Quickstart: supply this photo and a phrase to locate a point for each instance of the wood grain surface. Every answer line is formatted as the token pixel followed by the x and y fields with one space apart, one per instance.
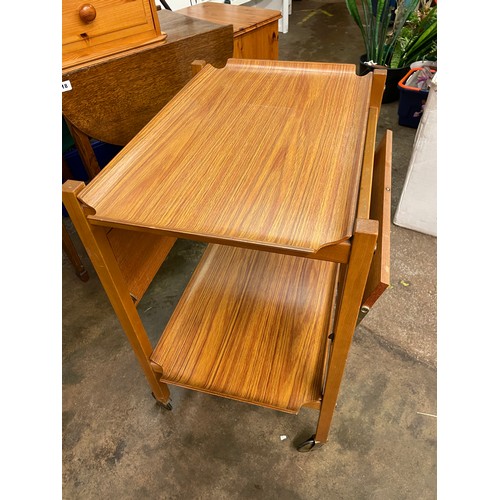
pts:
pixel 111 100
pixel 243 19
pixel 258 44
pixel 255 30
pixel 139 256
pixel 251 326
pixel 379 277
pixel 265 152
pixel 116 26
pixel 365 185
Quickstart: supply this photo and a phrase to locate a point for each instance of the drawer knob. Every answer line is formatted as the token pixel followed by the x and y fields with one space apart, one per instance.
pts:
pixel 87 13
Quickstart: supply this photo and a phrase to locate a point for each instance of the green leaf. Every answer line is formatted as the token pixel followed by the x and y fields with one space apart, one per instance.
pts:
pixel 413 34
pixel 353 11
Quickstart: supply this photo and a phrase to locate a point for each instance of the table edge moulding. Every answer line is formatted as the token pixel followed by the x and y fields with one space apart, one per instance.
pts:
pixel 274 164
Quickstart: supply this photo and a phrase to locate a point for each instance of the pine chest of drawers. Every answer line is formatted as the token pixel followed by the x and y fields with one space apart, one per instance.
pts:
pixel 97 28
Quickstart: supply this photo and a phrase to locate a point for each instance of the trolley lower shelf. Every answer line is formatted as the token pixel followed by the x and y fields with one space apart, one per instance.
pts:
pixel 251 326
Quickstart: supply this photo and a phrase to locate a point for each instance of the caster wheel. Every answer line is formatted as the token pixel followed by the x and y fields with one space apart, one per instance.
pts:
pixel 309 445
pixel 83 275
pixel 168 405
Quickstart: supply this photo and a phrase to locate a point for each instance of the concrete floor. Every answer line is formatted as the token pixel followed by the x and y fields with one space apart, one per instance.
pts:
pixel 118 444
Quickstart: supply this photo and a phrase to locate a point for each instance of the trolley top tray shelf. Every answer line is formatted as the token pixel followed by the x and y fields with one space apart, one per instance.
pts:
pixel 245 154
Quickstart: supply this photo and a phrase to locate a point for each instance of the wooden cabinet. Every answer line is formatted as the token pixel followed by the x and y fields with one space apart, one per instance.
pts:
pixel 113 99
pixel 97 28
pixel 255 30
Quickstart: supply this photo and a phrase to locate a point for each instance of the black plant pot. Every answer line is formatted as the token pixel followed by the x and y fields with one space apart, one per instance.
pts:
pixel 394 75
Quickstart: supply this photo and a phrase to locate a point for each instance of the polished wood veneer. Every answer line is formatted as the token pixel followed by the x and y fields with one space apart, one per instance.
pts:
pixel 269 162
pixel 251 326
pixel 255 30
pixel 272 160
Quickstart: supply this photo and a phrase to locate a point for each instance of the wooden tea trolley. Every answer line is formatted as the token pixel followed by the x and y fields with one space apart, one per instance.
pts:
pixel 274 165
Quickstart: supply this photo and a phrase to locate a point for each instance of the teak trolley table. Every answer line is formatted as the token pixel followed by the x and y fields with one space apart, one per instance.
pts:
pixel 274 165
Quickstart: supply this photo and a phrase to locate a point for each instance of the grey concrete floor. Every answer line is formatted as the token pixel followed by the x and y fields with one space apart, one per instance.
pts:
pixel 118 444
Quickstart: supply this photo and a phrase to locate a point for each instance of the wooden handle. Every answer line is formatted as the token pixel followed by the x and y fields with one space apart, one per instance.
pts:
pixel 87 13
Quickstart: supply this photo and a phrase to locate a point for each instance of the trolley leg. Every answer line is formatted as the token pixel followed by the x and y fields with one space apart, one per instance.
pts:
pixel 100 253
pixel 72 254
pixel 352 281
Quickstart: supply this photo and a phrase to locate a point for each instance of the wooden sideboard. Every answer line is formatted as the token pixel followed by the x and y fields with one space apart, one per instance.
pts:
pixel 255 30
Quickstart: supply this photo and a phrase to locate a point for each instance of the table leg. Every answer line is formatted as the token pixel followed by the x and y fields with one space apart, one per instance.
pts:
pixel 352 282
pixel 100 253
pixel 87 155
pixel 73 256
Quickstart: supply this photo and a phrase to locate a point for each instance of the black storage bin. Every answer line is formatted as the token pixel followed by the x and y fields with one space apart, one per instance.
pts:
pixel 104 153
pixel 411 101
